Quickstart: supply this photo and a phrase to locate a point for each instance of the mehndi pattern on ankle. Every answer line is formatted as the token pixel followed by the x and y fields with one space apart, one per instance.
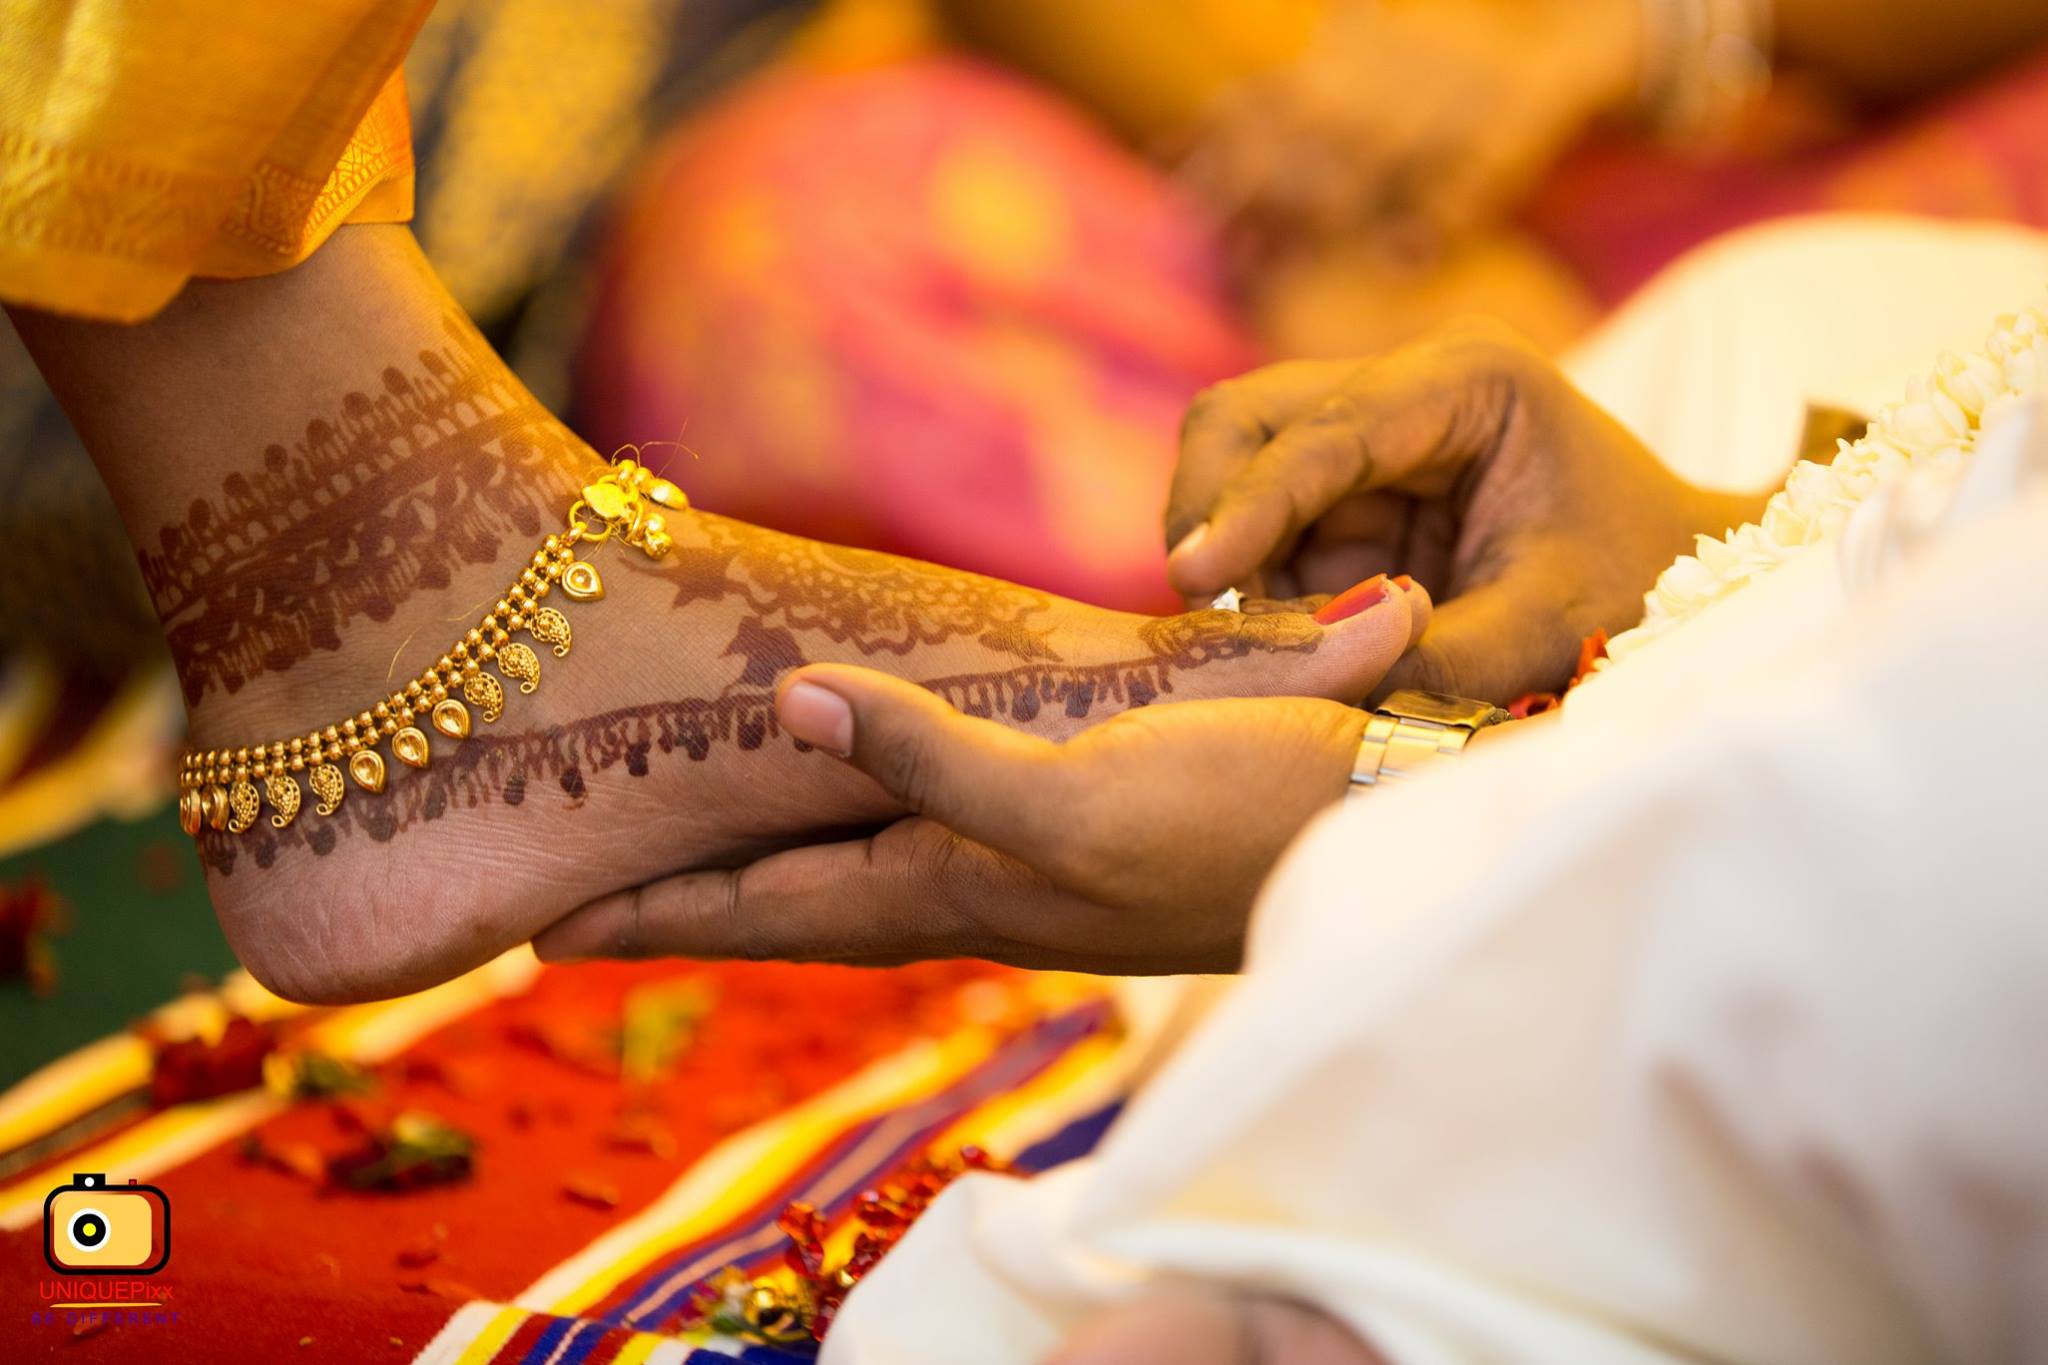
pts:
pixel 226 789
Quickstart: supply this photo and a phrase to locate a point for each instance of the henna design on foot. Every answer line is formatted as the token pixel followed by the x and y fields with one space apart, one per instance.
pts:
pixel 518 769
pixel 390 494
pixel 878 603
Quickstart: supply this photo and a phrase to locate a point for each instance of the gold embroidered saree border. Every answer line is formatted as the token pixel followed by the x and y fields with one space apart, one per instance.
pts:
pixel 89 233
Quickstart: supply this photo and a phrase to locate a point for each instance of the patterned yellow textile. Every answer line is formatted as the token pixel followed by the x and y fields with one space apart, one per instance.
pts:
pixel 143 142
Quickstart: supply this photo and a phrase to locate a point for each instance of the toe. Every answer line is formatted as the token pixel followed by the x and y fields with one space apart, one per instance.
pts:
pixel 1341 651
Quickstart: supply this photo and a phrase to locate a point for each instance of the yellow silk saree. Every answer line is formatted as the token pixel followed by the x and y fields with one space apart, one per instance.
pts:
pixel 143 142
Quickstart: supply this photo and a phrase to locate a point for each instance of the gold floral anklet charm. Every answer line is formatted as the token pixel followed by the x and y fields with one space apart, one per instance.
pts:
pixel 226 789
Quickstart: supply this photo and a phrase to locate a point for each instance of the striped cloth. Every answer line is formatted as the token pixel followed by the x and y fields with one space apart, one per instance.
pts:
pixel 776 1098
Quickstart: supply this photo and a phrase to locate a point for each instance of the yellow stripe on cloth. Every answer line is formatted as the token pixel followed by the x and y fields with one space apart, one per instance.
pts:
pixel 373 1033
pixel 156 1144
pixel 73 1086
pixel 738 1173
pixel 735 1177
pixel 1093 1073
pixel 637 1348
pixel 476 1332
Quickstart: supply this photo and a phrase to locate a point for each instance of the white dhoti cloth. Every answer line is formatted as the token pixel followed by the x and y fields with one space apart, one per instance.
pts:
pixel 1709 1025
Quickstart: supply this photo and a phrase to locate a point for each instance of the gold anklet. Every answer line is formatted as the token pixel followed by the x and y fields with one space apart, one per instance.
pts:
pixel 225 789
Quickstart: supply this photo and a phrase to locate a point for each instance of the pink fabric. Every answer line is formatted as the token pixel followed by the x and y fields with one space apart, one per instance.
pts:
pixel 928 308
pixel 923 308
pixel 1618 212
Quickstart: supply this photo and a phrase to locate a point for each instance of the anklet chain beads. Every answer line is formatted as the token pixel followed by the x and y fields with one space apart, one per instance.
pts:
pixel 226 789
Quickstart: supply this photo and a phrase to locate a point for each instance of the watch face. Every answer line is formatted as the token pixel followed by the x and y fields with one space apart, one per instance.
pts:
pixel 1442 710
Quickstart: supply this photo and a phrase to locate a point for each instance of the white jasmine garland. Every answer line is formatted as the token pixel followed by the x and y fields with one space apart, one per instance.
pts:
pixel 1935 426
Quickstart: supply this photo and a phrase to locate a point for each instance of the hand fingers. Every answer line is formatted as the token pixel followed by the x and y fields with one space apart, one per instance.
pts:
pixel 895 897
pixel 1497 641
pixel 1421 608
pixel 913 892
pixel 1228 422
pixel 993 785
pixel 1410 421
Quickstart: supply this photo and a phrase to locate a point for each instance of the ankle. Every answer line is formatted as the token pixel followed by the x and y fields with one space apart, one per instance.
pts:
pixel 361 661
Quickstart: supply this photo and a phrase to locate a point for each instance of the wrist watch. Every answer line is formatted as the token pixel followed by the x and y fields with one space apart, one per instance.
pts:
pixel 1411 730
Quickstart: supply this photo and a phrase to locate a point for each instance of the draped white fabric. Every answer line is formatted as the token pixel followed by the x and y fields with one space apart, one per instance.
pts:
pixel 1710 1025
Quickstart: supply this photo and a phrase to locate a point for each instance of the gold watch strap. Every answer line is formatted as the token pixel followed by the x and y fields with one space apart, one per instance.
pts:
pixel 1397 747
pixel 1412 730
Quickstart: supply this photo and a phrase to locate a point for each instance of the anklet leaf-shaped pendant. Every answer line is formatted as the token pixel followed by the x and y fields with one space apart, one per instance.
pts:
pixel 283 791
pixel 581 582
pixel 485 693
pixel 366 766
pixel 328 787
pixel 190 814
pixel 451 718
pixel 409 746
pixel 214 806
pixel 243 806
pixel 550 627
pixel 519 664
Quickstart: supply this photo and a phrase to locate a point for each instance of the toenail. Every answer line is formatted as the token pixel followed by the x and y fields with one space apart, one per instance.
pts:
pixel 817 716
pixel 1354 600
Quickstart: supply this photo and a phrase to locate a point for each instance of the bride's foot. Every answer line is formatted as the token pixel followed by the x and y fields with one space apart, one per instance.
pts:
pixel 652 745
pixel 300 582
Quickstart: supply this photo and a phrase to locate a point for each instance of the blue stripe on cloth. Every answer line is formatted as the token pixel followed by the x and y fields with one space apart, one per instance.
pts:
pixel 851 1163
pixel 582 1341
pixel 1077 1139
pixel 551 1337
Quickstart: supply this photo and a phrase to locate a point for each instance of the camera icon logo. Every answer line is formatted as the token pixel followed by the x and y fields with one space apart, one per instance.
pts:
pixel 93 1228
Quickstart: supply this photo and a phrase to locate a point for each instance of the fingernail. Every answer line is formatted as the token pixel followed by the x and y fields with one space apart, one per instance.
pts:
pixel 1404 582
pixel 1189 541
pixel 817 716
pixel 1353 600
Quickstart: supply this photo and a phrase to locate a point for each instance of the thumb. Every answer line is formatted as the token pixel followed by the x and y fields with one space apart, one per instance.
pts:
pixel 976 777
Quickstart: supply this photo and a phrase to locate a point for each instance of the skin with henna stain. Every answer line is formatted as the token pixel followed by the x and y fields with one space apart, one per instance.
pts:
pixel 390 491
pixel 321 519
